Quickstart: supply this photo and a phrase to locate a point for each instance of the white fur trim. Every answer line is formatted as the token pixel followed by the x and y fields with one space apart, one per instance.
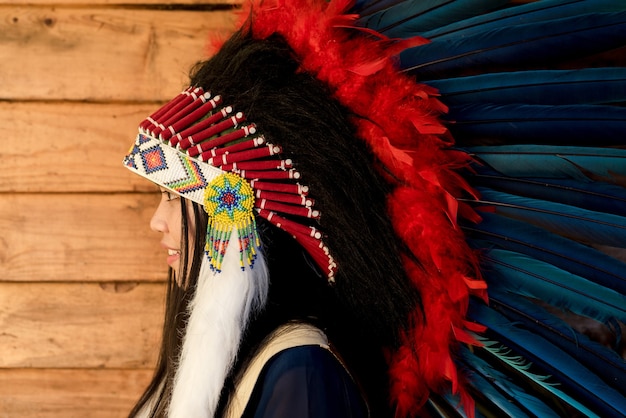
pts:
pixel 219 313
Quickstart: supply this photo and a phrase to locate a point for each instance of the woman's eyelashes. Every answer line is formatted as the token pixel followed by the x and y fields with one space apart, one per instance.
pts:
pixel 169 195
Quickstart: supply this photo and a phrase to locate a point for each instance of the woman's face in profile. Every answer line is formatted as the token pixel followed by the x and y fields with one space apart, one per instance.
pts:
pixel 167 221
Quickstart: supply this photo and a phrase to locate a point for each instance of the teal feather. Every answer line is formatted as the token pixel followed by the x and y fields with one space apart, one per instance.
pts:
pixel 529 277
pixel 604 360
pixel 502 391
pixel 538 11
pixel 555 224
pixel 581 225
pixel 496 231
pixel 448 406
pixel 544 87
pixel 519 47
pixel 497 353
pixel 597 196
pixel 557 125
pixel 545 161
pixel 502 403
pixel 369 7
pixel 601 398
pixel 410 18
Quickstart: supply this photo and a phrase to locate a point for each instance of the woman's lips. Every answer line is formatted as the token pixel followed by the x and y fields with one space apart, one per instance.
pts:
pixel 172 256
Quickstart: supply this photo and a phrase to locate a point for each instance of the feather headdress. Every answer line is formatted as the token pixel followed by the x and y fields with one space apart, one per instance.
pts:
pixel 399 120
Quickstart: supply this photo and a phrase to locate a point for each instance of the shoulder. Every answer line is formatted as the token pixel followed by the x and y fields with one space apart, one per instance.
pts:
pixel 306 381
pixel 310 361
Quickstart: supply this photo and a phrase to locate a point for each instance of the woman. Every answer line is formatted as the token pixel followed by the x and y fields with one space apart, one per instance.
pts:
pixel 356 314
pixel 290 293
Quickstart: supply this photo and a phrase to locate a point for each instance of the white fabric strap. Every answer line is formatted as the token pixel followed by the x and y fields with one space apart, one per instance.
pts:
pixel 287 336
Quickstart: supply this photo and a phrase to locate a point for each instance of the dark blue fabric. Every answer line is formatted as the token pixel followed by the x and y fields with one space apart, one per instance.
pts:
pixel 305 382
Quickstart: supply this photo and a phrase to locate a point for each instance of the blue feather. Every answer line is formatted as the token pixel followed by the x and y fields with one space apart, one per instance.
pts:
pixel 491 389
pixel 524 276
pixel 448 406
pixel 565 254
pixel 501 355
pixel 583 164
pixel 368 7
pixel 578 224
pixel 521 106
pixel 566 125
pixel 596 196
pixel 521 46
pixel 544 87
pixel 412 17
pixel 533 12
pixel 578 379
pixel 500 390
pixel 605 362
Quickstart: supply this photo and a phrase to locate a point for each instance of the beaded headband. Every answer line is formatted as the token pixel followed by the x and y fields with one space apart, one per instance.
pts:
pixel 199 149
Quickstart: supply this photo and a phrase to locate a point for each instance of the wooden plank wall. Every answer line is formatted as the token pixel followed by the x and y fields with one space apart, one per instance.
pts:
pixel 81 275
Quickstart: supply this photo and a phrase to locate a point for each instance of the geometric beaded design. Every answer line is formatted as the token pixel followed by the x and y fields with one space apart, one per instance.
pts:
pixel 203 150
pixel 229 202
pixel 168 167
pixel 194 180
pixel 153 160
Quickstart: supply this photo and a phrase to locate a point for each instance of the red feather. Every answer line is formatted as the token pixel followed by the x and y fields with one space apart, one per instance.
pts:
pixel 399 120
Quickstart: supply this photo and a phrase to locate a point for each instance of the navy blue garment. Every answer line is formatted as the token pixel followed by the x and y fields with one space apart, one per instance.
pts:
pixel 305 382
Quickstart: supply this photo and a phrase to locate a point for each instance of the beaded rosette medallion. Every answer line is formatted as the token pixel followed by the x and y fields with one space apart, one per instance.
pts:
pixel 203 151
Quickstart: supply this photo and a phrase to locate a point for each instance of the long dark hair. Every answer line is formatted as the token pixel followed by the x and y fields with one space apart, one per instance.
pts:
pixel 180 291
pixel 365 311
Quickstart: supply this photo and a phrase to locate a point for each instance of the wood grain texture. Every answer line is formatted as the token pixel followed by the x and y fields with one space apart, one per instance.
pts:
pixel 80 325
pixel 102 54
pixel 82 277
pixel 54 393
pixel 79 237
pixel 69 147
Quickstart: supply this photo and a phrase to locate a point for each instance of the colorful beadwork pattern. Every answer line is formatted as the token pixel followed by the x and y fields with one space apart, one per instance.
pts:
pixel 194 139
pixel 168 167
pixel 153 159
pixel 229 202
pixel 194 180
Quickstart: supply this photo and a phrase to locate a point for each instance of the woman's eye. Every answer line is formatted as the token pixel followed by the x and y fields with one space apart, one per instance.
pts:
pixel 169 195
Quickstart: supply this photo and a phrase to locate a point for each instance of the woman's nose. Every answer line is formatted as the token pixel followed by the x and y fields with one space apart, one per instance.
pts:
pixel 158 222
